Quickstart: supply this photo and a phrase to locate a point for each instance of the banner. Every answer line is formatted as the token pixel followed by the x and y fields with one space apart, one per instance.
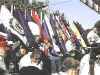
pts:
pixel 7 19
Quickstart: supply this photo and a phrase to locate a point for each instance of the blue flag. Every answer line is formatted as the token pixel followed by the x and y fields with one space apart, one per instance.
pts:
pixel 53 24
pixel 19 15
pixel 28 15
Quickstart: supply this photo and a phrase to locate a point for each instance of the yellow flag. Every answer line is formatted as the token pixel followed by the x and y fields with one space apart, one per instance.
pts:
pixel 77 33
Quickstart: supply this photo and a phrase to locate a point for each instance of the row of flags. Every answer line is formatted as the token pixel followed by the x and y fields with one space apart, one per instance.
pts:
pixel 76 31
pixel 26 28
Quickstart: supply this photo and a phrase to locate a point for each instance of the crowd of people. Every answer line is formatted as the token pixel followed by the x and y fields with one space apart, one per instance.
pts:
pixel 46 56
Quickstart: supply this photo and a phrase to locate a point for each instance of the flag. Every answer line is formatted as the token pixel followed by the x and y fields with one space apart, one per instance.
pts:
pixel 49 31
pixel 53 24
pixel 77 33
pixel 37 20
pixel 66 29
pixel 35 17
pixel 34 28
pixel 49 26
pixel 5 18
pixel 28 15
pixel 82 32
pixel 61 29
pixel 57 23
pixel 63 26
pixel 24 24
pixel 58 29
pixel 46 34
pixel 45 28
pixel 32 25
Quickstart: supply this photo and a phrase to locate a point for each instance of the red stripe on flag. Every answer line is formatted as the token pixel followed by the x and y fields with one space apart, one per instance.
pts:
pixel 64 26
pixel 35 17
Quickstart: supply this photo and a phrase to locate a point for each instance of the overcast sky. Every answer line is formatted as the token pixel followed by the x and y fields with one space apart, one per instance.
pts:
pixel 75 10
